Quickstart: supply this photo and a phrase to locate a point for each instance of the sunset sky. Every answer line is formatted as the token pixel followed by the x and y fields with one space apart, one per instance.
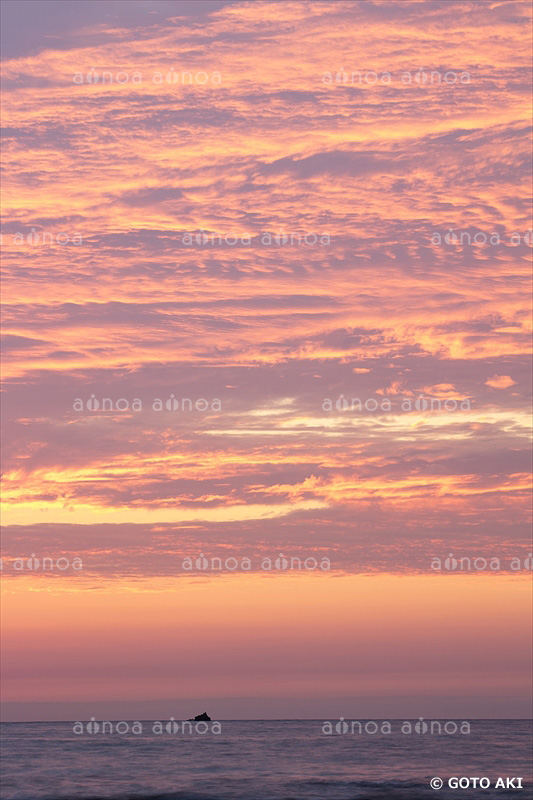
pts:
pixel 153 248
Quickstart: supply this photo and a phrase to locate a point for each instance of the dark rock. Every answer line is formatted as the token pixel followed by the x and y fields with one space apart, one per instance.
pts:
pixel 201 718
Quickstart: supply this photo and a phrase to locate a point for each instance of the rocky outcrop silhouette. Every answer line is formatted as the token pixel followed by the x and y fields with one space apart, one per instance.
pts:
pixel 201 718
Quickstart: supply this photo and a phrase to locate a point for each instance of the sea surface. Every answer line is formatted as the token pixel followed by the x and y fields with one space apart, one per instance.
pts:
pixel 260 760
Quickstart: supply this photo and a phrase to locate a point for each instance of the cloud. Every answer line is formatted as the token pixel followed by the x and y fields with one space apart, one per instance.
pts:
pixel 500 382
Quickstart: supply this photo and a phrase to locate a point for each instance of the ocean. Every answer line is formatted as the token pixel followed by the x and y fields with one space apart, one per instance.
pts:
pixel 262 760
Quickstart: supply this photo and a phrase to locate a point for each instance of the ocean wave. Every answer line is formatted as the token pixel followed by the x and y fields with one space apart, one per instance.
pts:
pixel 310 790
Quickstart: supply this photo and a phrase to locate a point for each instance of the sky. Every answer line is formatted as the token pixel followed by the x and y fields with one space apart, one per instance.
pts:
pixel 266 297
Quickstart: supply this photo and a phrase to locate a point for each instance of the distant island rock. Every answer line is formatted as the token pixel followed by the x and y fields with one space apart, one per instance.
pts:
pixel 201 718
